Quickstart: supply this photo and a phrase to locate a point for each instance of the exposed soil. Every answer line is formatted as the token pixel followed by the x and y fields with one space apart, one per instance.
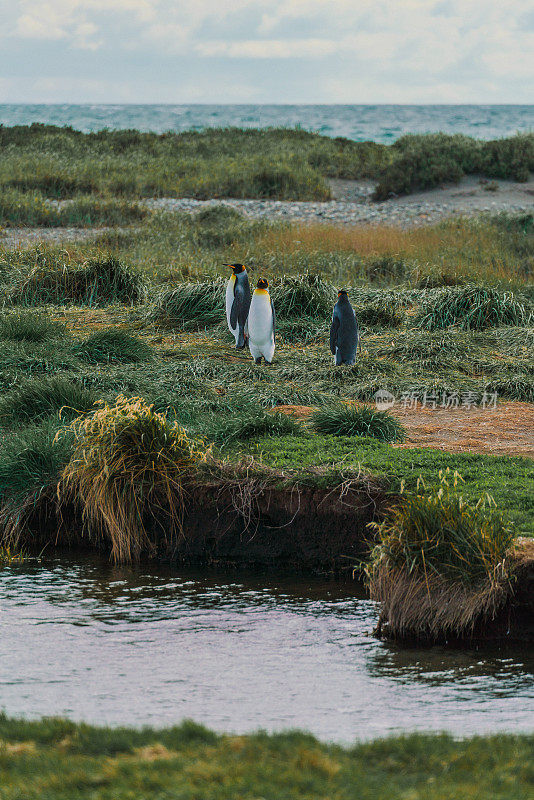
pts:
pixel 506 430
pixel 471 193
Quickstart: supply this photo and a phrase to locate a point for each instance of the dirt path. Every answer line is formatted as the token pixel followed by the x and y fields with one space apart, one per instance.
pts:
pixel 506 430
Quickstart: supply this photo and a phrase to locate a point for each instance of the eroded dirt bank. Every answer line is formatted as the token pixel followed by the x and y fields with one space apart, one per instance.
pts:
pixel 299 528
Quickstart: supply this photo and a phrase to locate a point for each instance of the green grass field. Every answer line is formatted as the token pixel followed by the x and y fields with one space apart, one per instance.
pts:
pixel 292 164
pixel 61 760
pixel 140 312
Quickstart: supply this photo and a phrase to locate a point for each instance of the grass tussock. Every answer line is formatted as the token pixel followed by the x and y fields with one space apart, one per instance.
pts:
pixel 31 461
pixel 43 397
pixel 440 565
pixel 191 305
pixel 473 308
pixel 127 473
pixel 113 346
pixel 25 326
pixel 250 422
pixel 101 280
pixel 306 295
pixel 343 420
pixel 387 315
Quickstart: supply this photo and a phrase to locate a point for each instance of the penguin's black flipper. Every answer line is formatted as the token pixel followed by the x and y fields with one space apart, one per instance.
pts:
pixel 333 334
pixel 236 308
pixel 274 319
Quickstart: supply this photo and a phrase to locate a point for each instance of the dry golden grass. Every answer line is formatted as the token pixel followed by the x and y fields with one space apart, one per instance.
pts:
pixel 431 606
pixel 128 468
pixel 474 252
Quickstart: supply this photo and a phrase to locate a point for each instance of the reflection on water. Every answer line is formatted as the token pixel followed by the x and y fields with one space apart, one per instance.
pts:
pixel 154 645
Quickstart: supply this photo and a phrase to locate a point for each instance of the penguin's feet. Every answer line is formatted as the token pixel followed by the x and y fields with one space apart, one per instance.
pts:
pixel 257 360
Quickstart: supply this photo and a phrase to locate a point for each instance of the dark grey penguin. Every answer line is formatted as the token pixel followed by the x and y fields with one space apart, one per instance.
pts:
pixel 343 331
pixel 238 303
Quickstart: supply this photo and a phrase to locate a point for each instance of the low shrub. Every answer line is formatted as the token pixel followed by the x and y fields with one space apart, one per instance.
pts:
pixel 472 307
pixel 113 346
pixel 424 161
pixel 43 397
pixel 342 420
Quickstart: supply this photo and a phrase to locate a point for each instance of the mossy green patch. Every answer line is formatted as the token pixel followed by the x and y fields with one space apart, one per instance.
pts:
pixel 510 481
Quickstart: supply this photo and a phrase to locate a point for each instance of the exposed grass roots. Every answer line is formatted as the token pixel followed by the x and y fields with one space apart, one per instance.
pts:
pixel 127 471
pixel 440 565
pixel 342 420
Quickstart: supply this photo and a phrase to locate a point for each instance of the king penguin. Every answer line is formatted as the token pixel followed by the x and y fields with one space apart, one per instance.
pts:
pixel 261 324
pixel 343 331
pixel 238 304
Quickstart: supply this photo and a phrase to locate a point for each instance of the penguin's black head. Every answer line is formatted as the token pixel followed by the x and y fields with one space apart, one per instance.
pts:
pixel 342 293
pixel 236 268
pixel 263 284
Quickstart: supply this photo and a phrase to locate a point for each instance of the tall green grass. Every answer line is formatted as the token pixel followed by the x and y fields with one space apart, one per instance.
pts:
pixel 43 397
pixel 473 308
pixel 113 346
pixel 100 280
pixel 271 163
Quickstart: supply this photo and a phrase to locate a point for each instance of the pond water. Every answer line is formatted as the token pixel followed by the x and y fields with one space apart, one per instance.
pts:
pixel 150 645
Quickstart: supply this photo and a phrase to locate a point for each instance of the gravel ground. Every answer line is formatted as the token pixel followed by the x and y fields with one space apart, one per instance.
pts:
pixel 352 205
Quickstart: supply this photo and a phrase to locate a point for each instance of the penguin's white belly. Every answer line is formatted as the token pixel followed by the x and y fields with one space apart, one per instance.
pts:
pixel 229 303
pixel 260 321
pixel 260 327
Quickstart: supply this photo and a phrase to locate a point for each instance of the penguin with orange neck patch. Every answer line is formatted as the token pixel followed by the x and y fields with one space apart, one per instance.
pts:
pixel 344 333
pixel 261 324
pixel 238 303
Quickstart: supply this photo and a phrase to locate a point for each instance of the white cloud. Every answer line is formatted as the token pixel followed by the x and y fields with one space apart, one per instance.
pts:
pixel 269 48
pixel 403 50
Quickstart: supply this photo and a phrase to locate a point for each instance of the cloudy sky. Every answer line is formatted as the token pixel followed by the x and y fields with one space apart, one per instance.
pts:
pixel 277 51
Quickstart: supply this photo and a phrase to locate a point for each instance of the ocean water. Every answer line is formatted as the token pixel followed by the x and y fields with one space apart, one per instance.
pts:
pixel 381 123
